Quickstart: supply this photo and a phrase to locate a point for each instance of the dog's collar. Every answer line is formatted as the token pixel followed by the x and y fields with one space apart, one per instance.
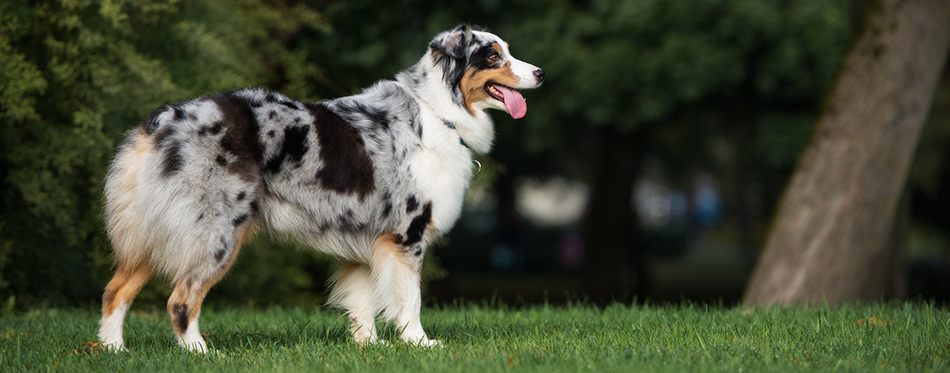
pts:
pixel 452 126
pixel 474 161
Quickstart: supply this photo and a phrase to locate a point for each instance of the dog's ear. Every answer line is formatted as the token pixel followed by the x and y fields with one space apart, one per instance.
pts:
pixel 452 43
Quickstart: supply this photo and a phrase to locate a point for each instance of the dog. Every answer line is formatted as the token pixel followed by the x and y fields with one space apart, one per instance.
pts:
pixel 370 179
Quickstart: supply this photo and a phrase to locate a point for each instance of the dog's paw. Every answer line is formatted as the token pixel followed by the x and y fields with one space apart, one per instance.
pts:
pixel 113 347
pixel 425 342
pixel 371 342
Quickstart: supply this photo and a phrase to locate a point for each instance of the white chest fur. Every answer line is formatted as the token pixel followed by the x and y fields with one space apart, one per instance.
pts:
pixel 442 171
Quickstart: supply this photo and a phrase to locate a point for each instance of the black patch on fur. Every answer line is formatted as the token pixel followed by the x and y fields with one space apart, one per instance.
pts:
pixel 179 113
pixel 417 252
pixel 347 167
pixel 272 98
pixel 417 126
pixel 255 208
pixel 180 313
pixel 202 216
pixel 411 203
pixel 346 223
pixel 418 225
pixel 374 114
pixel 162 137
pixel 387 203
pixel 220 160
pixel 453 71
pixel 172 161
pixel 239 220
pixel 213 129
pixel 241 196
pixel 271 115
pixel 271 133
pixel 219 255
pixel 241 135
pixel 150 124
pixel 399 239
pixel 480 61
pixel 293 148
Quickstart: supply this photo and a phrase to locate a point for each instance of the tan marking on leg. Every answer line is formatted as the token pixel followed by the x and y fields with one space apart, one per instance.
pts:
pixel 388 243
pixel 124 286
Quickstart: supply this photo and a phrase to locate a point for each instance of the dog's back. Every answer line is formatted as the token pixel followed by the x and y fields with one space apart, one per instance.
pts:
pixel 224 163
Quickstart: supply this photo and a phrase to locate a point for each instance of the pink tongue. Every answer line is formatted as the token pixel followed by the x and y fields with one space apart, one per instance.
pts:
pixel 514 102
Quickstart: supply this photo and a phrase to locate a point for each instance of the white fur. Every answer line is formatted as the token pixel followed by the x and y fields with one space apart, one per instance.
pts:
pixel 353 292
pixel 192 339
pixel 110 328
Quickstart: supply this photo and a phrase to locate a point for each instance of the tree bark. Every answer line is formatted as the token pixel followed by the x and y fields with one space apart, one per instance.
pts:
pixel 614 268
pixel 836 218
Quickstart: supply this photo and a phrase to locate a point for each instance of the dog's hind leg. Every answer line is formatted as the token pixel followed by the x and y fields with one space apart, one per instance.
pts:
pixel 395 270
pixel 184 304
pixel 121 290
pixel 353 292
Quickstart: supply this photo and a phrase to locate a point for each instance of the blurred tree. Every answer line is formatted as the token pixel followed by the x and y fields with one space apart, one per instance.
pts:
pixel 831 239
pixel 621 71
pixel 74 76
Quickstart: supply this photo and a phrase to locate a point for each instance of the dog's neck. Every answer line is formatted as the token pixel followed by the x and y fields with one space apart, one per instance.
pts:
pixel 430 88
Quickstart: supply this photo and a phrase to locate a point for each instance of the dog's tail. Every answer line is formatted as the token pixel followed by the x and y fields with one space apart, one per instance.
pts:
pixel 124 216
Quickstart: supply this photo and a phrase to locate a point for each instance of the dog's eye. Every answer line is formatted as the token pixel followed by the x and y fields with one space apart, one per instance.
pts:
pixel 494 57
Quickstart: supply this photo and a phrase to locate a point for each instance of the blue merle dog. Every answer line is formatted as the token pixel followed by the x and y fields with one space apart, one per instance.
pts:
pixel 369 179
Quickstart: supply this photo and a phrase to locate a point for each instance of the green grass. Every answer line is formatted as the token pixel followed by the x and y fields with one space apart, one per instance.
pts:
pixel 902 337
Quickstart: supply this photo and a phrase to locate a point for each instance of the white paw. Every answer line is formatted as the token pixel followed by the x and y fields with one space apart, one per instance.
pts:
pixel 114 346
pixel 425 342
pixel 194 345
pixel 367 341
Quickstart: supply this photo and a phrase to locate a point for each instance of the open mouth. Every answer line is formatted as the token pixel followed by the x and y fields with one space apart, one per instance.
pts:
pixel 513 100
pixel 495 90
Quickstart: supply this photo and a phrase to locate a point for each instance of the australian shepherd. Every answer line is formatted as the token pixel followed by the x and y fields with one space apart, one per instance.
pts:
pixel 369 179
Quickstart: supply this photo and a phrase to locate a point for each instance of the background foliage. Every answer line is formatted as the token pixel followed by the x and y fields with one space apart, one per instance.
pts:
pixel 727 86
pixel 78 74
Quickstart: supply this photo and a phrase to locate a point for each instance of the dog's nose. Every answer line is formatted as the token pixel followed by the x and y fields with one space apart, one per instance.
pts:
pixel 539 74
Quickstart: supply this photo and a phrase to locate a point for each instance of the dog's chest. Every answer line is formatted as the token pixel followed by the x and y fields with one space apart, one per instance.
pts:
pixel 442 174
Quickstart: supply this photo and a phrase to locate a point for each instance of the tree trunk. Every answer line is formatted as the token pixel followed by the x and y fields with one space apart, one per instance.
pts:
pixel 837 216
pixel 613 252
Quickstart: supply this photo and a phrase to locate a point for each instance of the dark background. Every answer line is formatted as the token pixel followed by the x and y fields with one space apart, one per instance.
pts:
pixel 647 168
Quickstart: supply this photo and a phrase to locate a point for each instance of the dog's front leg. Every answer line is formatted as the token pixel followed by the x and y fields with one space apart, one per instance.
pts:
pixel 395 269
pixel 353 292
pixel 407 316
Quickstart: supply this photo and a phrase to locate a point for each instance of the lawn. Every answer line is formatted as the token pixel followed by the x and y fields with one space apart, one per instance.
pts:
pixel 902 337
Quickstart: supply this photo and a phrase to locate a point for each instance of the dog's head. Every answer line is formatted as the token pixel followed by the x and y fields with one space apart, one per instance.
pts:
pixel 481 71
